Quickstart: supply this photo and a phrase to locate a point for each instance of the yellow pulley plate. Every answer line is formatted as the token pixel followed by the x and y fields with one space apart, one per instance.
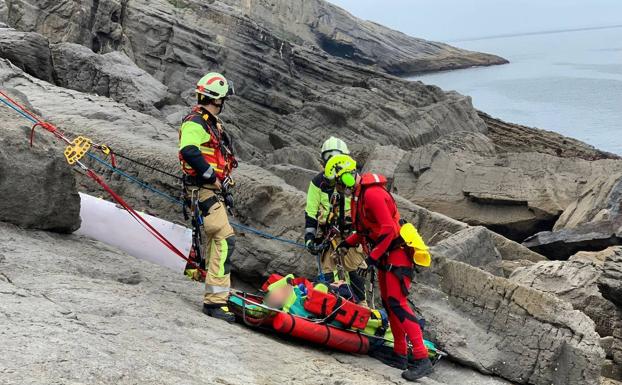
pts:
pixel 77 149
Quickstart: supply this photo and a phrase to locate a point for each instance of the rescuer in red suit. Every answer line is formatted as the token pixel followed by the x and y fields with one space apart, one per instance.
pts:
pixel 376 222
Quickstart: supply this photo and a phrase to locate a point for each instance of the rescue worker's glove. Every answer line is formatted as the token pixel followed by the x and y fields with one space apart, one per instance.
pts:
pixel 314 248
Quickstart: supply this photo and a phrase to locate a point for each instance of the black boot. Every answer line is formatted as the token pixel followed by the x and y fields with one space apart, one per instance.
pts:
pixel 388 357
pixel 219 311
pixel 418 369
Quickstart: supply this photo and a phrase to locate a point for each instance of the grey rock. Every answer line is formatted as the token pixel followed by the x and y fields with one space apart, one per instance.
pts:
pixel 473 246
pixel 298 156
pixel 509 267
pixel 3 13
pixel 327 28
pixel 499 327
pixel 384 160
pixel 610 282
pixel 600 201
pixel 607 344
pixel 437 227
pixel 92 23
pixel 289 92
pixel 28 51
pixel 511 137
pixel 616 348
pixel 113 75
pixel 562 244
pixel 338 33
pixel 575 282
pixel 293 175
pixel 514 194
pixel 595 257
pixel 37 186
pixel 612 373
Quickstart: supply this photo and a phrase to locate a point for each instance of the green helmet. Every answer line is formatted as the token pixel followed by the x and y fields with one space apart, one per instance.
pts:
pixel 341 168
pixel 333 146
pixel 214 86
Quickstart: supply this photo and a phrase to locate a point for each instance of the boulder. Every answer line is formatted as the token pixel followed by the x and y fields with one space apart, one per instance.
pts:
pixel 384 160
pixel 578 281
pixel 600 201
pixel 595 257
pixel 28 51
pixel 37 185
pixel 610 282
pixel 113 75
pixel 474 246
pixel 575 282
pixel 506 329
pixel 435 227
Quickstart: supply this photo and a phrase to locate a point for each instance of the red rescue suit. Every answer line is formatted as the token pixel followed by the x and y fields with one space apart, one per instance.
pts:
pixel 376 221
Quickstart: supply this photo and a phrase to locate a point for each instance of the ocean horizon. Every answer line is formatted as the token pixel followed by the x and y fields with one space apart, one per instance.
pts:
pixel 569 82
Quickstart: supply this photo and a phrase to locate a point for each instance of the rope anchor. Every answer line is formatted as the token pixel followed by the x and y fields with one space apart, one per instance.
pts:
pixel 77 149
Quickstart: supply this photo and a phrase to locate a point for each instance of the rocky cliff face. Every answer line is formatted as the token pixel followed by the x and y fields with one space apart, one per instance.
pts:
pixel 122 73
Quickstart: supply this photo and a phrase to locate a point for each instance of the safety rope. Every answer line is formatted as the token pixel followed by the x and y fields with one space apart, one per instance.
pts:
pixel 146 165
pixel 74 153
pixel 180 202
pixel 38 122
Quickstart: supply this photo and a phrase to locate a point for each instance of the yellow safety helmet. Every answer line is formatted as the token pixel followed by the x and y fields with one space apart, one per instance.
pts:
pixel 341 168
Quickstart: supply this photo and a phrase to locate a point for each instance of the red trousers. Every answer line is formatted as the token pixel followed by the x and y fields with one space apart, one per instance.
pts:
pixel 401 317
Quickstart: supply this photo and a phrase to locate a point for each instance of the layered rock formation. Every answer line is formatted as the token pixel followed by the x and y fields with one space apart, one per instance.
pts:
pixel 464 176
pixel 591 222
pixel 588 281
pixel 123 74
pixel 289 94
pixel 318 24
pixel 507 329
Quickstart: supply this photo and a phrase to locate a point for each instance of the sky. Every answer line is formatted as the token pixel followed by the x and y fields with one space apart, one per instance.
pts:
pixel 452 20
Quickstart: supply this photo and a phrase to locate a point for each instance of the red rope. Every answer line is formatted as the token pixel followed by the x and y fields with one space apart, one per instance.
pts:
pixel 142 220
pixel 39 122
pixel 7 97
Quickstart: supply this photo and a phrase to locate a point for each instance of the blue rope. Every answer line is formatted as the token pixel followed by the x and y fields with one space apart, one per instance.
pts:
pixel 180 202
pixel 155 190
pixel 266 235
pixel 135 180
pixel 15 108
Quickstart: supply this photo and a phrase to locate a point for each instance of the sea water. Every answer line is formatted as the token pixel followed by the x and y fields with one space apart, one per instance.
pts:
pixel 568 82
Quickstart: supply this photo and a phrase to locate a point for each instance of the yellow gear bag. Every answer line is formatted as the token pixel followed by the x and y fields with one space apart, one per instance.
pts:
pixel 411 237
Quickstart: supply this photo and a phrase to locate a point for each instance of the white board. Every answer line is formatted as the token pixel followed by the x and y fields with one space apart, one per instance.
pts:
pixel 107 223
